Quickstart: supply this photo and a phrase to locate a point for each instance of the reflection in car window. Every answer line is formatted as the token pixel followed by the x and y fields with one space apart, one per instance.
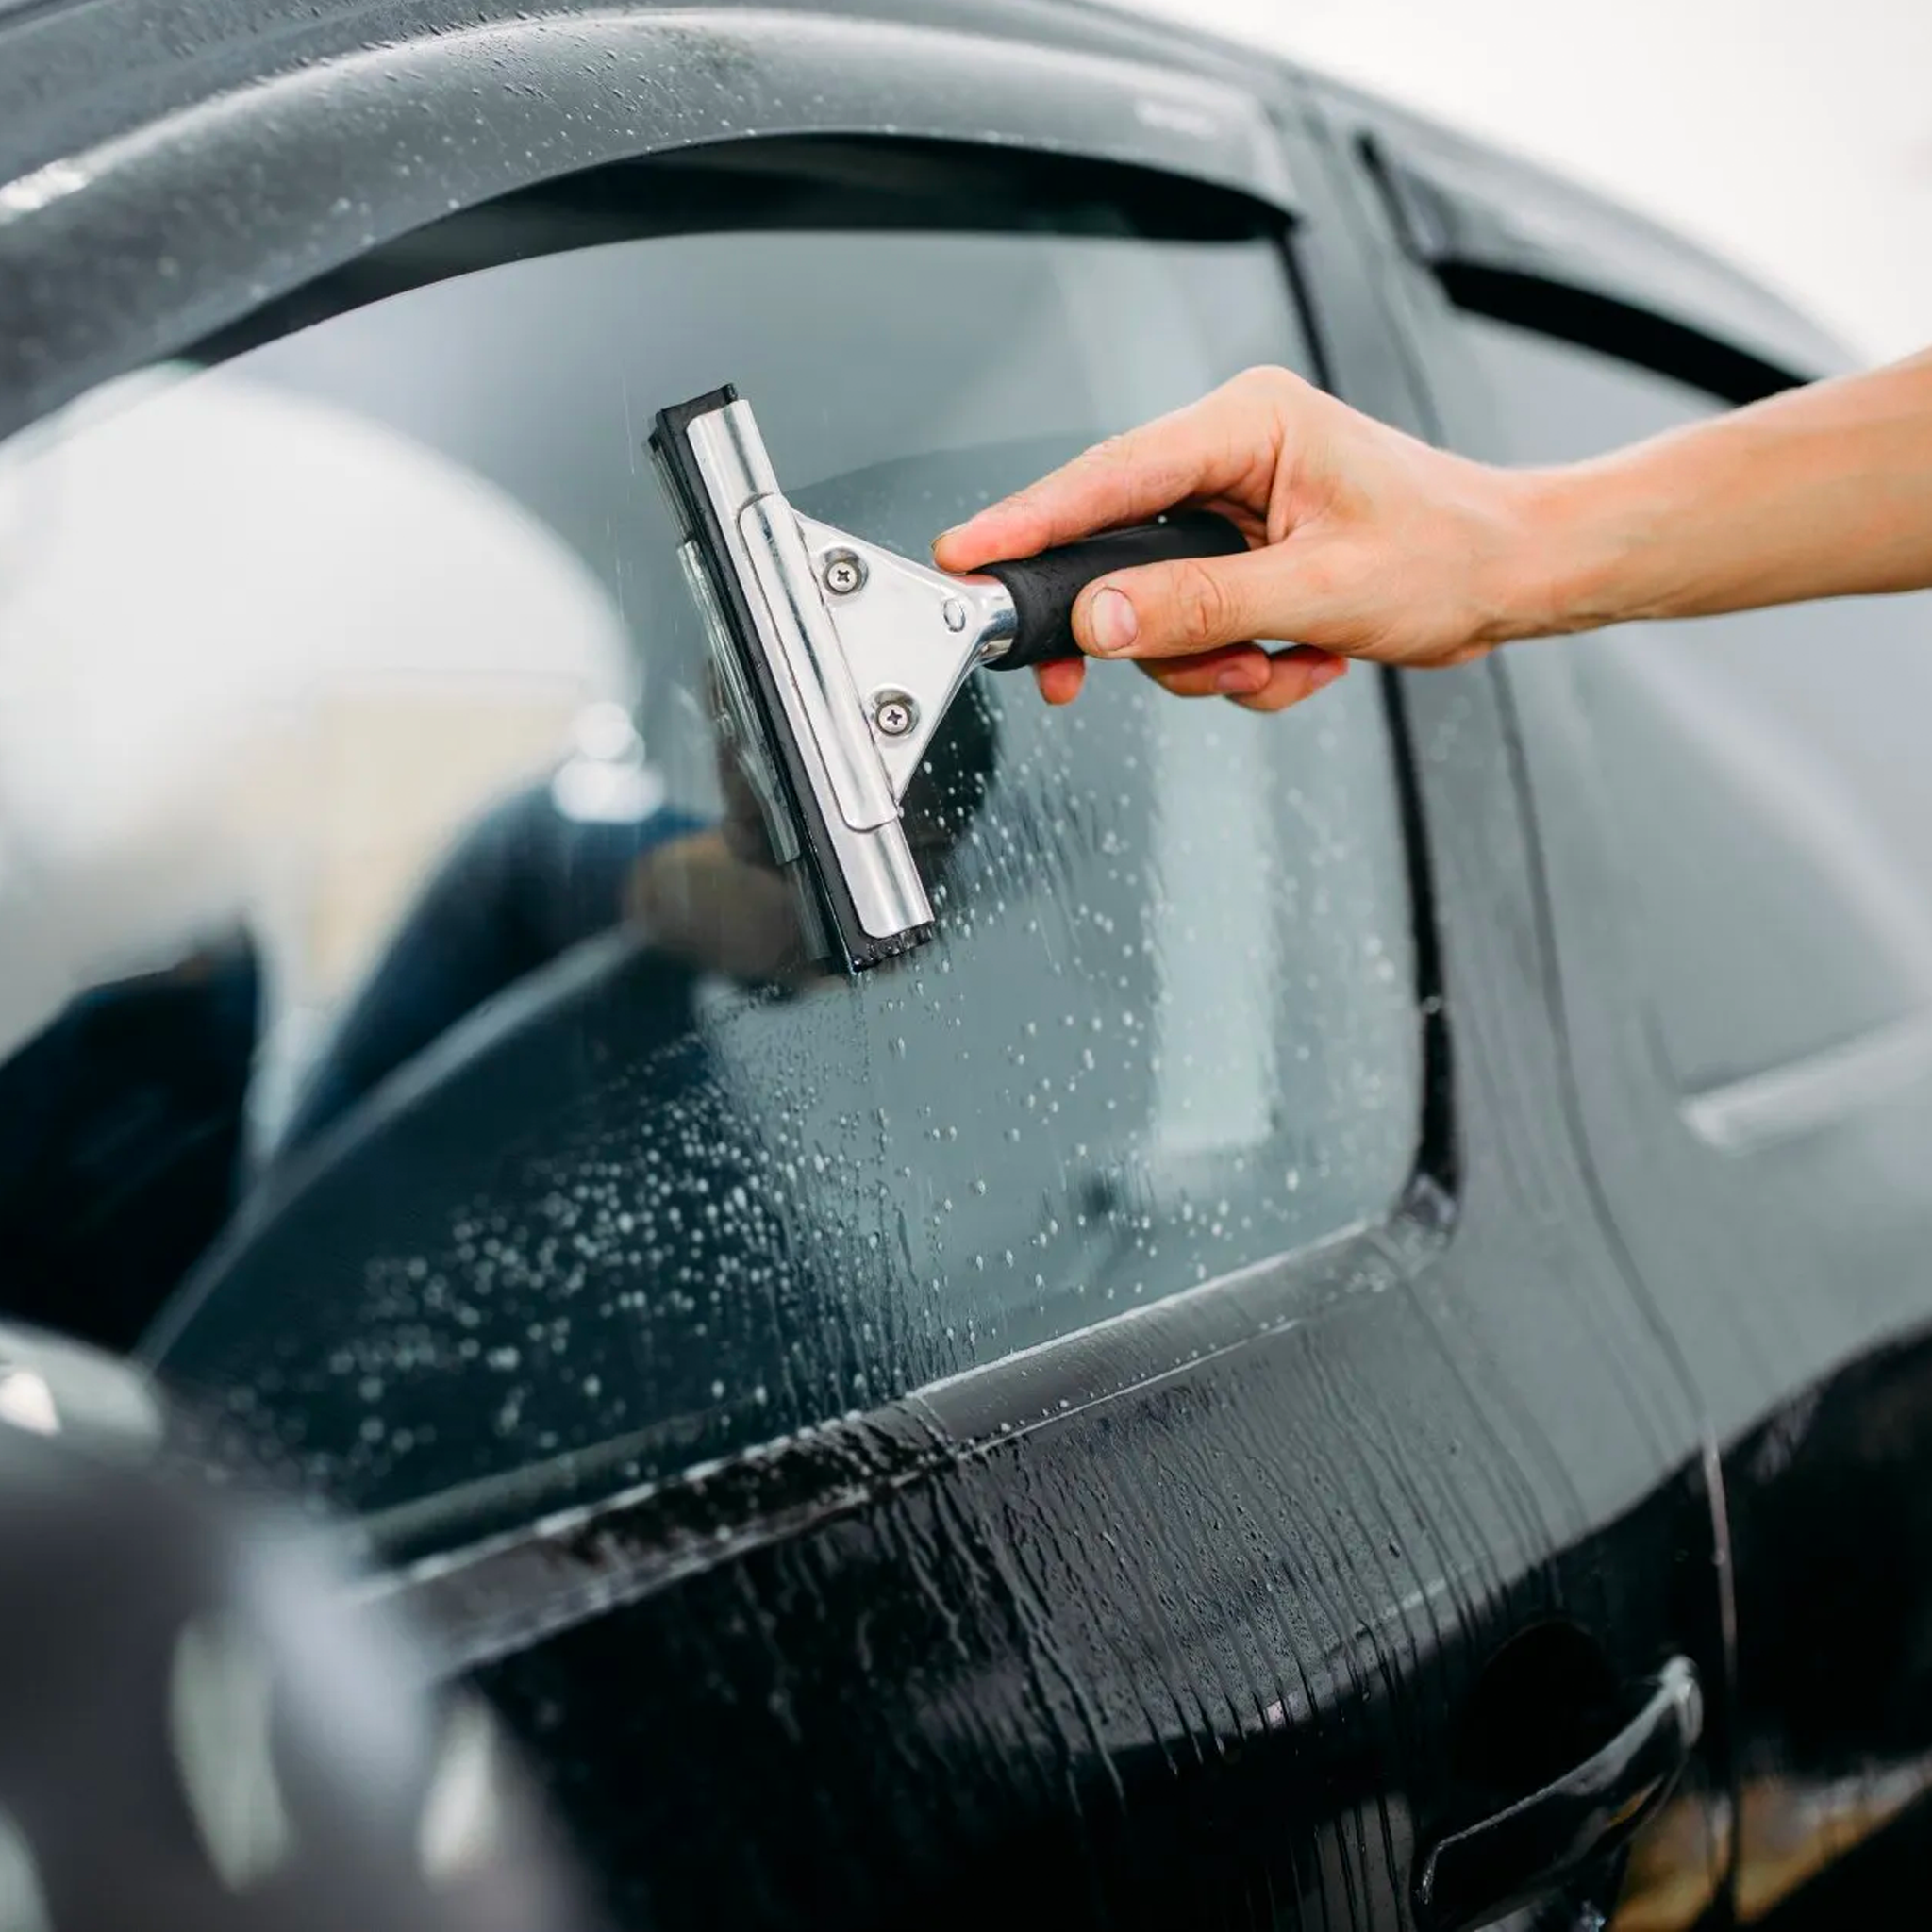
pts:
pixel 1755 806
pixel 375 889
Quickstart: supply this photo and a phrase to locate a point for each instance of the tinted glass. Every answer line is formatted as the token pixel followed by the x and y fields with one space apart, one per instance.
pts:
pixel 1762 774
pixel 397 1011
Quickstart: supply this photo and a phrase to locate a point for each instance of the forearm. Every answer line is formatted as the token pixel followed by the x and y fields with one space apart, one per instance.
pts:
pixel 1366 542
pixel 1824 492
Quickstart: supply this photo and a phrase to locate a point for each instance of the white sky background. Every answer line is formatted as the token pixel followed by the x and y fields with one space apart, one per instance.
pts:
pixel 1793 137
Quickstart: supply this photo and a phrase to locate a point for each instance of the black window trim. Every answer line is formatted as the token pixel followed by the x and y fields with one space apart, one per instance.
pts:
pixel 772 183
pixel 1504 242
pixel 128 249
pixel 1587 319
pixel 504 1563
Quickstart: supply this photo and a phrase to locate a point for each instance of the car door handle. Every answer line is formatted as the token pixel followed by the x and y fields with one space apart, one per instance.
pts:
pixel 1473 1876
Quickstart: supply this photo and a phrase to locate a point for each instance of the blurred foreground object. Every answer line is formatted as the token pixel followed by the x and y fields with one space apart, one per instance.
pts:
pixel 204 1730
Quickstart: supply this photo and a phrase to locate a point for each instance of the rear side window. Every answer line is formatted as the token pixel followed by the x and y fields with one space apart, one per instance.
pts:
pixel 378 745
pixel 1762 775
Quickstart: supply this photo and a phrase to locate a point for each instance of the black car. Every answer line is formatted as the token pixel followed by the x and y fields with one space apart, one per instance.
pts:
pixel 1346 1349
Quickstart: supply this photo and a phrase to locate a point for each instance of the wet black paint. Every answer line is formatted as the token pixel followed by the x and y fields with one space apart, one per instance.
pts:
pixel 1178 1620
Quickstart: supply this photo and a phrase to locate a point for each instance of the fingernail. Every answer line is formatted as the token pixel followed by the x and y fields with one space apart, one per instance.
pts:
pixel 1236 681
pixel 1111 621
pixel 1326 674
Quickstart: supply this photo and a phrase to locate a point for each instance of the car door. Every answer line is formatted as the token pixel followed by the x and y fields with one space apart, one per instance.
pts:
pixel 1747 999
pixel 1136 1414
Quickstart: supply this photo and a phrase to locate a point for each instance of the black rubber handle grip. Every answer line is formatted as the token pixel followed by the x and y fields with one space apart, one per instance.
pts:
pixel 1045 588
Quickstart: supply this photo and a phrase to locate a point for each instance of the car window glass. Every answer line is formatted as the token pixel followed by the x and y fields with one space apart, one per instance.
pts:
pixel 396 1010
pixel 1760 772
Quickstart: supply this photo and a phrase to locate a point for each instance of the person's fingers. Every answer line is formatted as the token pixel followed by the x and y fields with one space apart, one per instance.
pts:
pixel 1238 672
pixel 1223 446
pixel 1198 605
pixel 1293 675
pixel 1060 680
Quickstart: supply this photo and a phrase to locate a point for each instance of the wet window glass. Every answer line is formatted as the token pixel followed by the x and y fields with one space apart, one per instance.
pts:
pixel 400 1035
pixel 1762 772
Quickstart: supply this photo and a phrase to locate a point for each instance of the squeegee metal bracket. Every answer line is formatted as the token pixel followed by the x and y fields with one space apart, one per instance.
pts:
pixel 838 659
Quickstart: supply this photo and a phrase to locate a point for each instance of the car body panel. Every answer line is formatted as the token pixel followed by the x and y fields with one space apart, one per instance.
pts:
pixel 1777 1221
pixel 1181 1617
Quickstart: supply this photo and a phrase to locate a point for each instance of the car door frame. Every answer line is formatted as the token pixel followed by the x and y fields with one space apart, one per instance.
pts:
pixel 1734 1205
pixel 1177 1615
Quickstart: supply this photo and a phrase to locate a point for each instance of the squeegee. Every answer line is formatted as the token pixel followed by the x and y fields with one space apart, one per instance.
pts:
pixel 837 659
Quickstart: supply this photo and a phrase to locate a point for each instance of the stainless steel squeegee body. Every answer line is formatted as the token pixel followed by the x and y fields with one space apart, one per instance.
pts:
pixel 863 650
pixel 838 660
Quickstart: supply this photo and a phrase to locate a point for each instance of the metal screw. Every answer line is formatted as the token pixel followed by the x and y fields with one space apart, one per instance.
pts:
pixel 956 614
pixel 893 712
pixel 843 573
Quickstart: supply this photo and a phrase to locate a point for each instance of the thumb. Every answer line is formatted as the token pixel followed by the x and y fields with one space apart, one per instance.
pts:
pixel 1180 609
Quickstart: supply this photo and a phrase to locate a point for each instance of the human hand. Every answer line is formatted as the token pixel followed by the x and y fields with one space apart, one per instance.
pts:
pixel 1366 544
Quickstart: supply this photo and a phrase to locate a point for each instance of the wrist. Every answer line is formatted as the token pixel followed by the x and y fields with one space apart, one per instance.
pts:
pixel 1571 566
